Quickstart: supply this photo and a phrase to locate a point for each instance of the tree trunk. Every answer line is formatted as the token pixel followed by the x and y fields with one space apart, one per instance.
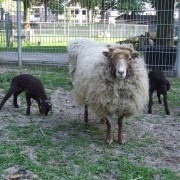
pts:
pixel 26 17
pixel 102 11
pixel 165 22
pixel 45 13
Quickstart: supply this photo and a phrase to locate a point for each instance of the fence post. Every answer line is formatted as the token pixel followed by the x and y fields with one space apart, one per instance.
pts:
pixel 178 49
pixel 8 30
pixel 19 32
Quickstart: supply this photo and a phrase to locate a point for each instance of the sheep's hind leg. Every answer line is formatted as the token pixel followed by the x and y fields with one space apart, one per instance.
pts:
pixel 15 98
pixel 109 138
pixel 86 114
pixel 28 100
pixel 150 101
pixel 159 98
pixel 166 103
pixel 121 138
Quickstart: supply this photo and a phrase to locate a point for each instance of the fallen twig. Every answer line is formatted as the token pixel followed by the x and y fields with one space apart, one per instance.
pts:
pixel 42 132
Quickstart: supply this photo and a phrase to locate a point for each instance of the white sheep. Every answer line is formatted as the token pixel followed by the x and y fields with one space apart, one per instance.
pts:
pixel 109 81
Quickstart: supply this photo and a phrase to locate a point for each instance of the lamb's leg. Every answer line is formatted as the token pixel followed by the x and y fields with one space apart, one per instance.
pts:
pixel 109 138
pixel 150 101
pixel 166 103
pixel 6 97
pixel 28 100
pixel 39 102
pixel 121 138
pixel 15 99
pixel 159 98
pixel 86 114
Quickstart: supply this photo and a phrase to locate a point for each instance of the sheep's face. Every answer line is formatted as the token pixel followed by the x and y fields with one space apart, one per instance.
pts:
pixel 45 106
pixel 119 61
pixel 119 65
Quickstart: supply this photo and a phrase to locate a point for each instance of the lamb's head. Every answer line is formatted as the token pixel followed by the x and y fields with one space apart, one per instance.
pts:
pixel 119 59
pixel 45 105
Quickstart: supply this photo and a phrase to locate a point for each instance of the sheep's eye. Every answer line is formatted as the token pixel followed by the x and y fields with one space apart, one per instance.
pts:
pixel 130 58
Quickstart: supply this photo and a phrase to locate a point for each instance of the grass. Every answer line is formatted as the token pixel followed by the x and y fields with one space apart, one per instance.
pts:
pixel 33 48
pixel 174 95
pixel 64 150
pixel 49 44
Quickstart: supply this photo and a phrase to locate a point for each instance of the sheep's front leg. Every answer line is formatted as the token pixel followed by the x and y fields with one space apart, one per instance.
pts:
pixel 28 100
pixel 109 138
pixel 166 103
pixel 86 114
pixel 121 138
pixel 150 101
pixel 159 98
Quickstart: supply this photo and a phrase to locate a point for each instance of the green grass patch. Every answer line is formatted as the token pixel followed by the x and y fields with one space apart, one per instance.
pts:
pixel 33 48
pixel 55 147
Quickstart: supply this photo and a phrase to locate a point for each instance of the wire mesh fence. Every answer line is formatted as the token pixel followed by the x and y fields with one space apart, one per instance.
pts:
pixel 48 25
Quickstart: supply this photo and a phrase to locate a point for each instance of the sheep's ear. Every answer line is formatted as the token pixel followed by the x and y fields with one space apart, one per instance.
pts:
pixel 105 53
pixel 135 55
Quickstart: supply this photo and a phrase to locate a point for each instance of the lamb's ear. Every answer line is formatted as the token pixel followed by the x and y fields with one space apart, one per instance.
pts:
pixel 105 53
pixel 135 55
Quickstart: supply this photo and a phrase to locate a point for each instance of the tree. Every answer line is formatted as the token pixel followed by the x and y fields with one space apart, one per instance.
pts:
pixel 56 6
pixel 133 5
pixel 26 17
pixel 165 21
pixel 165 16
pixel 27 5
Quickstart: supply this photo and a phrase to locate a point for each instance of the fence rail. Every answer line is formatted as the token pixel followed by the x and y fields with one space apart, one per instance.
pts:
pixel 49 34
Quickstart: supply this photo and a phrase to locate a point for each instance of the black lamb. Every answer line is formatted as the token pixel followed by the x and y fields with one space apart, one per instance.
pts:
pixel 159 83
pixel 33 89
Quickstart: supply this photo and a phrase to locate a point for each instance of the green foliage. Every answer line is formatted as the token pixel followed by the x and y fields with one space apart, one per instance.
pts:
pixel 56 6
pixel 133 5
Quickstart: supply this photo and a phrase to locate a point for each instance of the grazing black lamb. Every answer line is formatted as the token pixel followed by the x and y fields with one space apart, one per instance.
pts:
pixel 33 89
pixel 159 83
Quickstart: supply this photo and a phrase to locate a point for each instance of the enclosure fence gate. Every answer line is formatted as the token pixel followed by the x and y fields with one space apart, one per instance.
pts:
pixel 37 32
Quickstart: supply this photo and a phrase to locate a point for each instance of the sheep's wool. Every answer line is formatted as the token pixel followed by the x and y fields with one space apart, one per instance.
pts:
pixel 94 86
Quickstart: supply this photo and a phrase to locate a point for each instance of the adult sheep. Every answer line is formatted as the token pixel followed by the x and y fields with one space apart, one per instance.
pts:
pixel 110 80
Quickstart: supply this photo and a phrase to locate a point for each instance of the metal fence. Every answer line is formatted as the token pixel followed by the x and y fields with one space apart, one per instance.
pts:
pixel 37 32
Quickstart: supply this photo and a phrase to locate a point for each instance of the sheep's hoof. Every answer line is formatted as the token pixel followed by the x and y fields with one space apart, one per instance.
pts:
pixel 122 140
pixel 168 113
pixel 109 140
pixel 85 121
pixel 28 113
pixel 103 121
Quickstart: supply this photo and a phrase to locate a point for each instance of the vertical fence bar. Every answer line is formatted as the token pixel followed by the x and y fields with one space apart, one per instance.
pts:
pixel 19 32
pixel 7 22
pixel 178 48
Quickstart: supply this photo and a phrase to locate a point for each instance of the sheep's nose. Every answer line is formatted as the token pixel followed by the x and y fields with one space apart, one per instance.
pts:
pixel 121 72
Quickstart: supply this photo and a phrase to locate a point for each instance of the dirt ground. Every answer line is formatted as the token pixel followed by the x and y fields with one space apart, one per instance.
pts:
pixel 162 130
pixel 165 130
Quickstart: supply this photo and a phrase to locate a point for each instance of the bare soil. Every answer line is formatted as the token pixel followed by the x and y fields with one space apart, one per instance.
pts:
pixel 160 131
